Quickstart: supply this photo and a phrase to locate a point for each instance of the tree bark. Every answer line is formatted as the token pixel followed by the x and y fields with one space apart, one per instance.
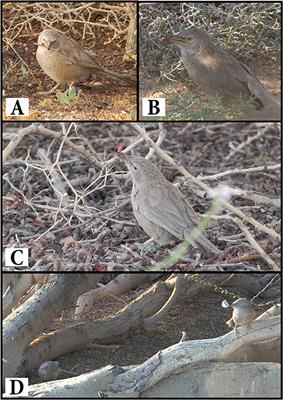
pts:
pixel 28 321
pixel 31 349
pixel 110 331
pixel 15 286
pixel 121 284
pixel 136 380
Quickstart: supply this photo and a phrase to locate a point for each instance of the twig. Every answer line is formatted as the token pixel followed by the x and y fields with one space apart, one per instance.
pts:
pixel 256 246
pixel 249 140
pixel 16 139
pixel 238 171
pixel 58 136
pixel 256 197
pixel 229 267
pixel 55 182
pixel 180 168
pixel 161 137
pixel 266 286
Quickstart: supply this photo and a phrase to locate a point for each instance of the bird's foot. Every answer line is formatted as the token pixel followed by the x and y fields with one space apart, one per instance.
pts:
pixel 51 91
pixel 90 85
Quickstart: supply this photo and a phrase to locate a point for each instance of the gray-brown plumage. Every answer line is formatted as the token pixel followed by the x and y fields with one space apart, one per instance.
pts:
pixel 50 370
pixel 218 73
pixel 65 61
pixel 243 313
pixel 159 207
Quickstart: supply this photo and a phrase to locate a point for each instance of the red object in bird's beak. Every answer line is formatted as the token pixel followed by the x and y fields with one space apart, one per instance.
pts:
pixel 119 147
pixel 166 41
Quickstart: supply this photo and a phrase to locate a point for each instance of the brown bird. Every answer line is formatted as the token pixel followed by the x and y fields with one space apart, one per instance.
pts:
pixel 159 207
pixel 218 73
pixel 65 61
pixel 243 313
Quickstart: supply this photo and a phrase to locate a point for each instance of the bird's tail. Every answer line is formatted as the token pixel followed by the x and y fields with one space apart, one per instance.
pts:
pixel 117 75
pixel 203 242
pixel 207 245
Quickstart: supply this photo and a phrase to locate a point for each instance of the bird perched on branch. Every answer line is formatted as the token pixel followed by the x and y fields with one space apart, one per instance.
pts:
pixel 218 73
pixel 65 61
pixel 243 313
pixel 160 208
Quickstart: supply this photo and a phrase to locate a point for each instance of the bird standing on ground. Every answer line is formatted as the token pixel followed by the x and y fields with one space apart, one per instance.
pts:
pixel 65 61
pixel 160 208
pixel 50 370
pixel 218 73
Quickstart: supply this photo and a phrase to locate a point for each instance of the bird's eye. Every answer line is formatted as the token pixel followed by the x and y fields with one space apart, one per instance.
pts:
pixel 189 38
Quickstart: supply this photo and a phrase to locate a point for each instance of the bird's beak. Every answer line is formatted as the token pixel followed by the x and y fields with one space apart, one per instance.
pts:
pixel 177 39
pixel 124 158
pixel 166 41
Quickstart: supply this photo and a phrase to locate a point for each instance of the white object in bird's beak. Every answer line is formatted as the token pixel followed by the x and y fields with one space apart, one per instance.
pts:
pixel 225 304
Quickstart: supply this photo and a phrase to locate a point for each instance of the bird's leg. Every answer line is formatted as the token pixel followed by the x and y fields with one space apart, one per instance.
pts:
pixel 248 326
pixel 51 90
pixel 87 85
pixel 236 333
pixel 148 241
pixel 68 372
pixel 91 83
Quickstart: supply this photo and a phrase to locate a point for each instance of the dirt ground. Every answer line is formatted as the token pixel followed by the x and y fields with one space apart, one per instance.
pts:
pixel 202 318
pixel 104 99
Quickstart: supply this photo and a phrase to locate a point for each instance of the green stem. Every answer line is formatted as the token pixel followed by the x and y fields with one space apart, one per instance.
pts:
pixel 183 247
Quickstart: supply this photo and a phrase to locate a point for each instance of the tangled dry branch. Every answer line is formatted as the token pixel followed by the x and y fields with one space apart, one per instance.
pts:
pixel 64 190
pixel 76 18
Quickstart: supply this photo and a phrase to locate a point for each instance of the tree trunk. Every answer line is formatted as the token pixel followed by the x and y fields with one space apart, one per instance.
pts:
pixel 140 379
pixel 28 321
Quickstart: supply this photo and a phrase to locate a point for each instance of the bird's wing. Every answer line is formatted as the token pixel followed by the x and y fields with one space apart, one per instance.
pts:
pixel 258 90
pixel 166 207
pixel 88 60
pixel 75 54
pixel 73 51
pixel 240 71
